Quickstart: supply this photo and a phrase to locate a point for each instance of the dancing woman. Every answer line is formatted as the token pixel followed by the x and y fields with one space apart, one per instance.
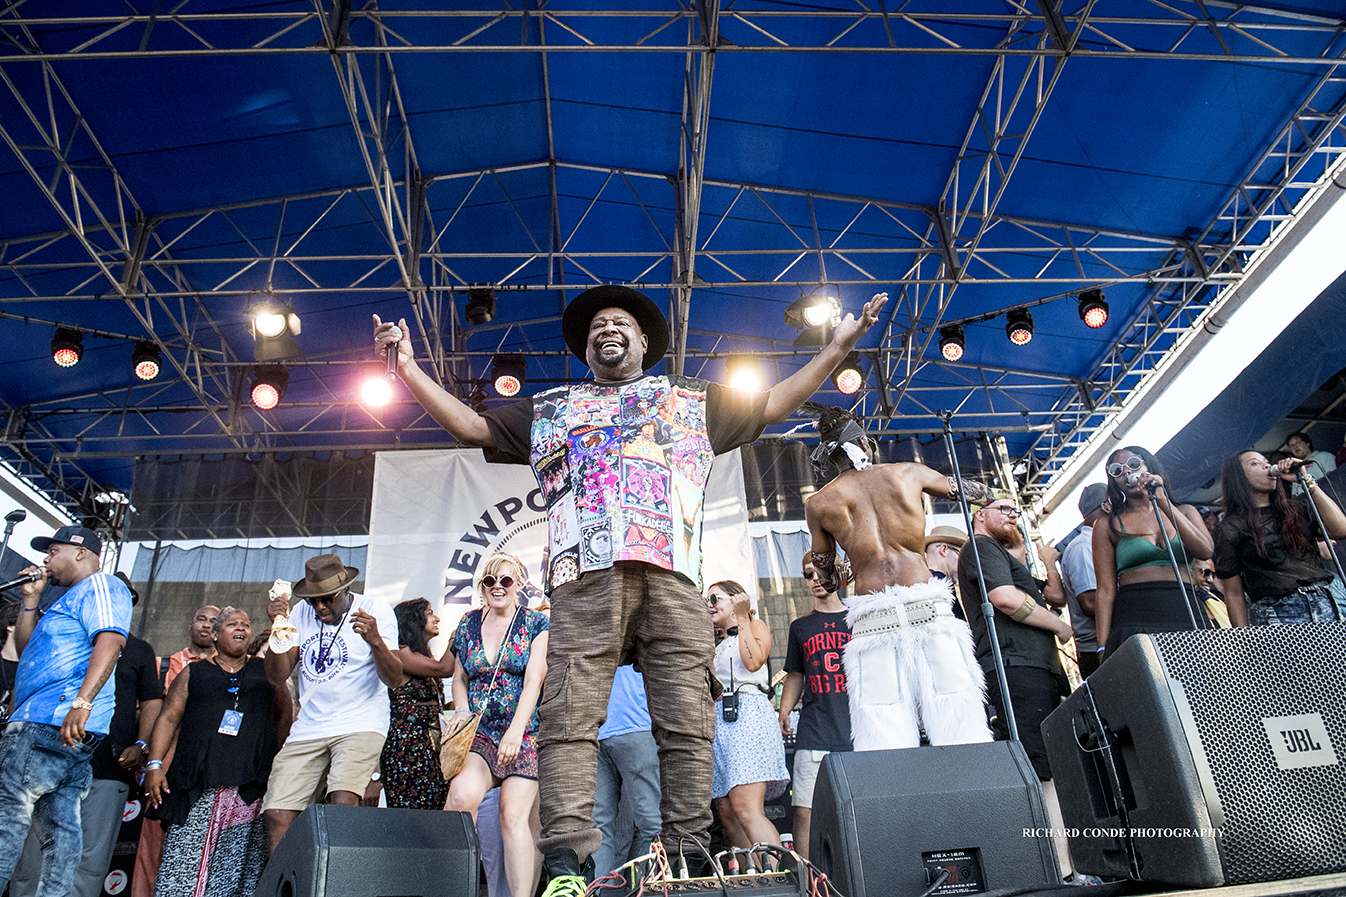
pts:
pixel 501 651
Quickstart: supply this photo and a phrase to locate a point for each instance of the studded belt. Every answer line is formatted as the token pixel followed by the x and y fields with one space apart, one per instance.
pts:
pixel 915 613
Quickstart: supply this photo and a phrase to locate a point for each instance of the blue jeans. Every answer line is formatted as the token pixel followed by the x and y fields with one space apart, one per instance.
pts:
pixel 41 784
pixel 628 774
pixel 1310 604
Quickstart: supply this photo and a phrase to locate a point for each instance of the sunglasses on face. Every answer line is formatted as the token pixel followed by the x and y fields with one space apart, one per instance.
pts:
pixel 1133 464
pixel 810 574
pixel 713 600
pixel 505 581
pixel 324 599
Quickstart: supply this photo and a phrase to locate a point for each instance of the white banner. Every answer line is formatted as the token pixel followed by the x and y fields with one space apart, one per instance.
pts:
pixel 438 514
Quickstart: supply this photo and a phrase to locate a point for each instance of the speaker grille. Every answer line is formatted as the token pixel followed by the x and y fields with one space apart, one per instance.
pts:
pixel 1278 823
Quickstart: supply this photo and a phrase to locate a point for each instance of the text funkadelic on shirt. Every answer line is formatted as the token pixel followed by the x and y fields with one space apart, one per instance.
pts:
pixel 1300 741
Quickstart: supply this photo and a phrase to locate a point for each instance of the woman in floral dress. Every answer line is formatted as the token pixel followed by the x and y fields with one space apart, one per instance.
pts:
pixel 410 761
pixel 501 651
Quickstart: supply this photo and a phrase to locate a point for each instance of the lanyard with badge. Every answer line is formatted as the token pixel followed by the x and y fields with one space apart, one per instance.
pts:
pixel 233 718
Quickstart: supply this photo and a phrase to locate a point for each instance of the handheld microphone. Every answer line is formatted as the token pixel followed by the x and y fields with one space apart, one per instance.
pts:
pixel 1294 465
pixel 392 354
pixel 20 580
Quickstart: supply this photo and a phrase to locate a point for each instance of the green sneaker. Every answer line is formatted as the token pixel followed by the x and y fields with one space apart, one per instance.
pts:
pixel 565 886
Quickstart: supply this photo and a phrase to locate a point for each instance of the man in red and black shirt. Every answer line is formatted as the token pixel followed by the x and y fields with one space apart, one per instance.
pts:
pixel 813 669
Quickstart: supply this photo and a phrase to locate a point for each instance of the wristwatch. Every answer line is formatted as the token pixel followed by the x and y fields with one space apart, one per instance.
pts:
pixel 80 704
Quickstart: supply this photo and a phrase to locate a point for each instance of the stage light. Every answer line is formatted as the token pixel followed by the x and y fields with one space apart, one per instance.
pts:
pixel 1093 308
pixel 743 372
pixel 952 342
pixel 847 377
pixel 480 307
pixel 67 347
pixel 376 391
pixel 146 360
pixel 268 385
pixel 508 374
pixel 274 326
pixel 814 310
pixel 1019 326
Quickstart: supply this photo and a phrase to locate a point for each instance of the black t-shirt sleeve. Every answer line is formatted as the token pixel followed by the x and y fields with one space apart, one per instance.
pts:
pixel 1226 557
pixel 794 655
pixel 733 417
pixel 140 656
pixel 512 432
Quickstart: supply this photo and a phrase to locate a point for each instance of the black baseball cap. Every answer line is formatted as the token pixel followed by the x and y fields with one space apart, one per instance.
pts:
pixel 79 536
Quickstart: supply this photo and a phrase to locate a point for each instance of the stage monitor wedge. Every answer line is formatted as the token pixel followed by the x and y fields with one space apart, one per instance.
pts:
pixel 1209 758
pixel 334 851
pixel 886 823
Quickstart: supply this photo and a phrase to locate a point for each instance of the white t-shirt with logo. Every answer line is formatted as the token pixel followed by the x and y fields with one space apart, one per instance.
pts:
pixel 340 691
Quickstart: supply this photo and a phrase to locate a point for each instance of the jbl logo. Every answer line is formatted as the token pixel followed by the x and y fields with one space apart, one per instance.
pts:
pixel 1300 741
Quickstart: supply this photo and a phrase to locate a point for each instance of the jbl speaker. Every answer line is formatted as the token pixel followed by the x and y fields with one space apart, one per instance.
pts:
pixel 1207 758
pixel 887 823
pixel 333 851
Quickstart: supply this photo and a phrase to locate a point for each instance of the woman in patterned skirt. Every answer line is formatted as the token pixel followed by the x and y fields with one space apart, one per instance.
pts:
pixel 749 766
pixel 501 650
pixel 223 713
pixel 409 765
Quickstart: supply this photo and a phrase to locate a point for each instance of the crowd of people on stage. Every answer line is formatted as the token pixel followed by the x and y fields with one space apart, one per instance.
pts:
pixel 608 723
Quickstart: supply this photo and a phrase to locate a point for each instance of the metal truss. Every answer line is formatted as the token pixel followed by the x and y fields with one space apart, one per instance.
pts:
pixel 926 254
pixel 1207 30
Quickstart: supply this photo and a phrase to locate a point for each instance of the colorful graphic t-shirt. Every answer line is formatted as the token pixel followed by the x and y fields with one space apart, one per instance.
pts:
pixel 817 643
pixel 623 467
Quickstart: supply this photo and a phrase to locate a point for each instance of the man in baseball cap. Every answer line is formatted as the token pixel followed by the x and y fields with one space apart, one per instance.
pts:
pixel 1077 575
pixel 61 708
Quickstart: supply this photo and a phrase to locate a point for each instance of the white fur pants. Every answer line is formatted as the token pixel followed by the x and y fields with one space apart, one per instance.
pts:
pixel 899 679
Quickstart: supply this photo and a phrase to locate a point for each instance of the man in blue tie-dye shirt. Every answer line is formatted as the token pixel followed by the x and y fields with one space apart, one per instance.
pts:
pixel 67 653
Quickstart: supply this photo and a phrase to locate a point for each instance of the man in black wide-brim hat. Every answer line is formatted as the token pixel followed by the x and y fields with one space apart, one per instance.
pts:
pixel 622 461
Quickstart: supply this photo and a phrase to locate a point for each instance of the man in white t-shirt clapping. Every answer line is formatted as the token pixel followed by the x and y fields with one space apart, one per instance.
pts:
pixel 345 652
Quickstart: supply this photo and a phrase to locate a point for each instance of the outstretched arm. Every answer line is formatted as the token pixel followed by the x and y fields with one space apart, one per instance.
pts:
pixel 466 425
pixel 785 397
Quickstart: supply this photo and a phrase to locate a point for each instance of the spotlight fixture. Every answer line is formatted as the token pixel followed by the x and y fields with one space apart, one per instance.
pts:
pixel 480 307
pixel 508 374
pixel 847 376
pixel 376 390
pixel 952 342
pixel 146 360
pixel 67 347
pixel 1019 326
pixel 1093 308
pixel 274 326
pixel 743 372
pixel 814 310
pixel 268 385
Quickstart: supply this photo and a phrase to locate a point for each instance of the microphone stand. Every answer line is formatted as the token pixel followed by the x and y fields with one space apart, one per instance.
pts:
pixel 1336 561
pixel 987 610
pixel 10 521
pixel 1173 559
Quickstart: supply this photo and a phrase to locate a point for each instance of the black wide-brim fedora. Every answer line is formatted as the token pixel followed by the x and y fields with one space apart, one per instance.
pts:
pixel 581 310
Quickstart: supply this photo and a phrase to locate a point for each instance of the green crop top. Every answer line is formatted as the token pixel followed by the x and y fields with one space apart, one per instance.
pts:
pixel 1134 552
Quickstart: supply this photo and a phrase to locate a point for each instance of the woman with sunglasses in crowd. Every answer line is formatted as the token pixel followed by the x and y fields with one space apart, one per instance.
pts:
pixel 1266 547
pixel 1137 590
pixel 749 755
pixel 501 651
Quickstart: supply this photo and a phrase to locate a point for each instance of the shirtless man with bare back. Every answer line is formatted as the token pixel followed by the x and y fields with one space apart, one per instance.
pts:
pixel 910 661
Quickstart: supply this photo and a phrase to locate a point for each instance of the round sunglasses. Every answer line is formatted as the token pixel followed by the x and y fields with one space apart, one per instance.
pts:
pixel 1133 464
pixel 489 581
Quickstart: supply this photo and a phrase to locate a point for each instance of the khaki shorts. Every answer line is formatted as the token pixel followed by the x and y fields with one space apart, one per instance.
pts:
pixel 347 762
pixel 805 776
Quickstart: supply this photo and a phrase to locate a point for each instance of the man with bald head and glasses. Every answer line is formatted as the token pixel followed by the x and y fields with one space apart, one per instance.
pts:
pixel 1027 630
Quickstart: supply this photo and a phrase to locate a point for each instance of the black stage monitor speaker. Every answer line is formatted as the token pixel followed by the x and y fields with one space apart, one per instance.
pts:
pixel 886 823
pixel 333 851
pixel 1208 758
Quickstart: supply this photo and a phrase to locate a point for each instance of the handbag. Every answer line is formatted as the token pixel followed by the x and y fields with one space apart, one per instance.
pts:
pixel 455 746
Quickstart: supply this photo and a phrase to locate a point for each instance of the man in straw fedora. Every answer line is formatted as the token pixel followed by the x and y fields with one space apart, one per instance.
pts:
pixel 346 653
pixel 622 461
